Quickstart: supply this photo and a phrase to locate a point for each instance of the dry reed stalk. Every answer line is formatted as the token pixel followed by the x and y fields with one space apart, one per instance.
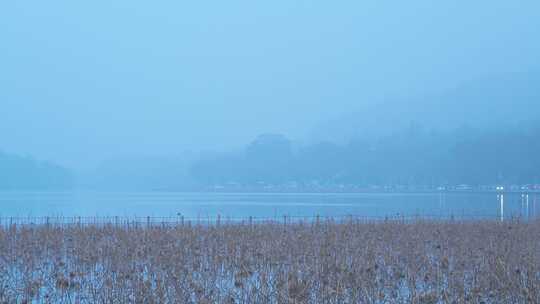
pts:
pixel 324 261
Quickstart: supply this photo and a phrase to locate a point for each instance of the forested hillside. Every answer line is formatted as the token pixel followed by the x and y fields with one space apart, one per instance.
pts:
pixel 26 173
pixel 414 156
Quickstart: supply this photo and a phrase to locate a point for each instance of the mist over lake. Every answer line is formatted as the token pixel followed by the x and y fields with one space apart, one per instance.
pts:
pixel 282 151
pixel 171 206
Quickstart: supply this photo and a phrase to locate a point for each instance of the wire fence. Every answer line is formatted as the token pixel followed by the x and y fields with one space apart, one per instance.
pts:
pixel 170 221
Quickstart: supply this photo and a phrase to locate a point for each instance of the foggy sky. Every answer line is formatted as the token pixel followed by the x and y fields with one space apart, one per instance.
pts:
pixel 82 82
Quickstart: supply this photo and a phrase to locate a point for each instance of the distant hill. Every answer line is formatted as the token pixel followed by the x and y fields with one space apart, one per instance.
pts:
pixel 496 101
pixel 26 173
pixel 482 132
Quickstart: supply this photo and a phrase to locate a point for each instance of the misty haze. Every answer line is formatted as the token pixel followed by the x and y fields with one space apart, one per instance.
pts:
pixel 218 123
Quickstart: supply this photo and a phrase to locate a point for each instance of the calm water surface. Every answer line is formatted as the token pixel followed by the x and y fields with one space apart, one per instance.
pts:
pixel 32 204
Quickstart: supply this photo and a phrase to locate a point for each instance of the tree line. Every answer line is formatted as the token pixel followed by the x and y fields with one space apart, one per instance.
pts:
pixel 26 173
pixel 414 156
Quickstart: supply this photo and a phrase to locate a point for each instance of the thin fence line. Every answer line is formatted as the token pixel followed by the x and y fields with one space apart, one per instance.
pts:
pixel 174 218
pixel 211 220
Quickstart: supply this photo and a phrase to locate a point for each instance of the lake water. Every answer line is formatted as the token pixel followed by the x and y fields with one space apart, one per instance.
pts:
pixel 265 205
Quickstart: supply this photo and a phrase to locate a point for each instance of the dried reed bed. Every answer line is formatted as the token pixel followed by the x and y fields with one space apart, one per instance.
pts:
pixel 316 262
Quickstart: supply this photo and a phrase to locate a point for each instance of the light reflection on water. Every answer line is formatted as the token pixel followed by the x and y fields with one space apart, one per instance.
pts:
pixel 266 205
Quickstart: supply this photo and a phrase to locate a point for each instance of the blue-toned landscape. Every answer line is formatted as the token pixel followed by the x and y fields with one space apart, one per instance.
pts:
pixel 284 151
pixel 171 206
